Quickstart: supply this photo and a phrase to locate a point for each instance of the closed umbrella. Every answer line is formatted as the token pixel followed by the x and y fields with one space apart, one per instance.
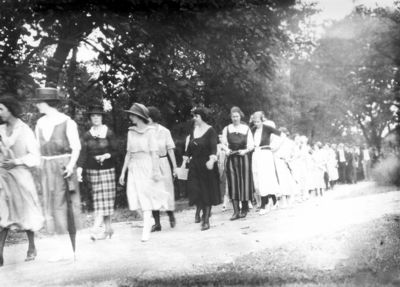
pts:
pixel 70 213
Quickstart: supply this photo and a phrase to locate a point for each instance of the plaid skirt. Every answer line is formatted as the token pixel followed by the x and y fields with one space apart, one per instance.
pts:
pixel 102 183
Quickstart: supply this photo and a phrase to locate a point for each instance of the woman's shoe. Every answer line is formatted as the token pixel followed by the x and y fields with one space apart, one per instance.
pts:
pixel 156 227
pixel 30 255
pixel 205 226
pixel 235 216
pixel 197 219
pixel 223 208
pixel 172 222
pixel 262 211
pixel 243 214
pixel 102 236
pixel 110 233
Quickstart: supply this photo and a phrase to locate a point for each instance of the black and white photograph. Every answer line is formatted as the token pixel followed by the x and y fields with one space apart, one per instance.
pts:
pixel 150 143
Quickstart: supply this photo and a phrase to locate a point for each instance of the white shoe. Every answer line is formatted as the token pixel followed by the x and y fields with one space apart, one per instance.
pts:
pixel 262 212
pixel 274 207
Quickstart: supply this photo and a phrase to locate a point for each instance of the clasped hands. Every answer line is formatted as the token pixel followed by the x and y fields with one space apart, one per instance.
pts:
pixel 239 152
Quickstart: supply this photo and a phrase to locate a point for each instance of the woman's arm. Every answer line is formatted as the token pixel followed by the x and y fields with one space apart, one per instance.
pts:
pixel 75 145
pixel 213 141
pixel 124 168
pixel 171 155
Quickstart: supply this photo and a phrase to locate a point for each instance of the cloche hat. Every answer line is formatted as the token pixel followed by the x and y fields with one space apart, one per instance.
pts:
pixel 139 110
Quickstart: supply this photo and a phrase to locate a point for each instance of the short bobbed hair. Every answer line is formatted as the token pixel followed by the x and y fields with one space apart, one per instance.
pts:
pixel 258 115
pixel 12 105
pixel 204 113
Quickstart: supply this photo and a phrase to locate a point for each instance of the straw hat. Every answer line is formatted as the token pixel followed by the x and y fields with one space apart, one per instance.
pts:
pixel 46 94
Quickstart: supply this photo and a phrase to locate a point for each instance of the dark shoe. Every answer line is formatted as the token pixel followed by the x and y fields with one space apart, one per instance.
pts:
pixel 235 216
pixel 156 227
pixel 197 219
pixel 30 255
pixel 205 226
pixel 1 260
pixel 243 214
pixel 172 222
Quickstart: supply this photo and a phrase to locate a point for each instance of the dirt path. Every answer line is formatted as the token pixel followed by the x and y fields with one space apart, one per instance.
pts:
pixel 186 248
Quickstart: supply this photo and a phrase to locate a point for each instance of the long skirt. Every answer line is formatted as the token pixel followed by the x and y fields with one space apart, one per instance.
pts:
pixel 264 173
pixel 102 183
pixel 319 181
pixel 19 204
pixel 203 184
pixel 333 172
pixel 239 177
pixel 142 191
pixel 54 196
pixel 287 181
pixel 166 174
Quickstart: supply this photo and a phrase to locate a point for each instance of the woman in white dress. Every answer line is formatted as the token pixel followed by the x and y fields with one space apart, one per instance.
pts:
pixel 19 203
pixel 319 169
pixel 332 165
pixel 263 166
pixel 145 188
pixel 165 149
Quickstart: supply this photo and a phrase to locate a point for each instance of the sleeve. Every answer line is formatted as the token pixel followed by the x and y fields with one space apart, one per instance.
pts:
pixel 73 135
pixel 225 136
pixel 250 140
pixel 188 151
pixel 37 134
pixel 170 141
pixel 273 131
pixel 113 144
pixel 152 140
pixel 32 158
pixel 128 142
pixel 213 142
pixel 83 154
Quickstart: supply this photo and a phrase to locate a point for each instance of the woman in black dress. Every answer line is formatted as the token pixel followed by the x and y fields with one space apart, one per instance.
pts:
pixel 97 158
pixel 203 178
pixel 239 140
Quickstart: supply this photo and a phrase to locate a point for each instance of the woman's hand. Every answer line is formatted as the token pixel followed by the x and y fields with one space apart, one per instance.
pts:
pixel 122 179
pixel 242 152
pixel 69 170
pixel 79 174
pixel 174 172
pixel 210 164
pixel 9 164
pixel 101 158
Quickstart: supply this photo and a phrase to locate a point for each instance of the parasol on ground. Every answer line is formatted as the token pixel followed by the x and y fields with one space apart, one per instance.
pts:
pixel 70 212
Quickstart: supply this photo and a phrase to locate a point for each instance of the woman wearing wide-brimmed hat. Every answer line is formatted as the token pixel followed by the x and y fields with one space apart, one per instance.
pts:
pixel 145 188
pixel 60 146
pixel 97 158
pixel 19 203
pixel 165 149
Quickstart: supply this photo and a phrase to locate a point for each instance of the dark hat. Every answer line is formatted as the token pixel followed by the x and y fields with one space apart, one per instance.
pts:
pixel 46 94
pixel 139 110
pixel 96 109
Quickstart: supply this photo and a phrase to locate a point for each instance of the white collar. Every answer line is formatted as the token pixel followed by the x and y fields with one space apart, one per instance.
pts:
pixel 102 133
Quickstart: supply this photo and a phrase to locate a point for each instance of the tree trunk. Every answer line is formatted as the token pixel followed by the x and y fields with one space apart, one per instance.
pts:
pixel 71 82
pixel 56 63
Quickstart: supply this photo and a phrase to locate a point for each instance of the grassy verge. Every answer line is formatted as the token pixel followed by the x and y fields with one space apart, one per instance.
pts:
pixel 365 255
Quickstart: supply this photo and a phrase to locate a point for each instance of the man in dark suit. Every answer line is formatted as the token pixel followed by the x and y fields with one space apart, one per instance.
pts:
pixel 342 160
pixel 352 164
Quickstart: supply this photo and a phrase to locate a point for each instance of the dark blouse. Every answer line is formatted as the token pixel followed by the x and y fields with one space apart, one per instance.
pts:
pixel 203 146
pixel 93 146
pixel 266 134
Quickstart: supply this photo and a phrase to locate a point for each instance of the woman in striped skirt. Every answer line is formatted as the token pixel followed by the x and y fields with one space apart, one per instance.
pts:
pixel 239 142
pixel 99 150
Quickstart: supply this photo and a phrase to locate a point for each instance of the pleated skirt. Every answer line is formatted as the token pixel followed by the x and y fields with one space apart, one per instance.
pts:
pixel 240 177
pixel 103 186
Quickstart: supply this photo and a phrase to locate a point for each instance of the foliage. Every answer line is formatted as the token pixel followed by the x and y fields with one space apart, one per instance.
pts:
pixel 387 171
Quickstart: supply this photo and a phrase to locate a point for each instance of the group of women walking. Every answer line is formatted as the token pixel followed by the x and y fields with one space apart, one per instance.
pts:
pixel 260 163
pixel 62 158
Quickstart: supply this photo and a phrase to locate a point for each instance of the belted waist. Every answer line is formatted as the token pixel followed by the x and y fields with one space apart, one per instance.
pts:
pixel 266 147
pixel 162 156
pixel 236 147
pixel 50 157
